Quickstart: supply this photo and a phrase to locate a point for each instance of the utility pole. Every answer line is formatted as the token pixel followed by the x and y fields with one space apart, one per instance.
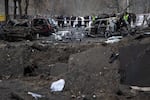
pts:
pixel 6 9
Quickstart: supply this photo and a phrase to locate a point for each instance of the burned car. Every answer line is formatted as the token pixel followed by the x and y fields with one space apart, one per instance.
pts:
pixel 53 24
pixel 42 26
pixel 101 28
pixel 17 29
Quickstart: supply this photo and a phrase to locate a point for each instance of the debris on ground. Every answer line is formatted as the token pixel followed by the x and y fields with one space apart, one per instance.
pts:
pixel 113 39
pixel 67 36
pixel 35 95
pixel 39 46
pixel 146 89
pixel 57 85
pixel 113 57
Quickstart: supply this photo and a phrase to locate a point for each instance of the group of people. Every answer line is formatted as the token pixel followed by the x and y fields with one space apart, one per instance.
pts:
pixel 125 20
pixel 73 21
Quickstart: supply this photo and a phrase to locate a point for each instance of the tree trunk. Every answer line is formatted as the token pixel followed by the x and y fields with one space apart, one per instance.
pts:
pixel 26 7
pixel 15 9
pixel 6 9
pixel 20 7
pixel 117 5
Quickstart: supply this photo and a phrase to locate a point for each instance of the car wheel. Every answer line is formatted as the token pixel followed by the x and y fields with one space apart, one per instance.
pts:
pixel 29 37
pixel 107 34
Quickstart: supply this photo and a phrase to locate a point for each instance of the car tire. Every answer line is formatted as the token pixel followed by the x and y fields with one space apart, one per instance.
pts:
pixel 29 37
pixel 107 34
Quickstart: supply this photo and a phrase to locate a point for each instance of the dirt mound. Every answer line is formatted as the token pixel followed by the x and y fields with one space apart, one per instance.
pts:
pixel 42 62
pixel 134 61
pixel 90 73
pixel 13 60
pixel 18 60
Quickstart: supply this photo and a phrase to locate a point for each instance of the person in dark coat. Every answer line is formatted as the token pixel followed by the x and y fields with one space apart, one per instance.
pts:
pixel 73 18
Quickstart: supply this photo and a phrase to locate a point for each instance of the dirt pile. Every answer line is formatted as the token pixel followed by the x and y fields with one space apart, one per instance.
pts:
pixel 91 71
pixel 13 60
pixel 134 63
pixel 41 62
pixel 91 74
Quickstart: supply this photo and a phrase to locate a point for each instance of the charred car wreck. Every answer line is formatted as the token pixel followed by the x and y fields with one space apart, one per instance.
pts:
pixel 43 26
pixel 28 29
pixel 17 29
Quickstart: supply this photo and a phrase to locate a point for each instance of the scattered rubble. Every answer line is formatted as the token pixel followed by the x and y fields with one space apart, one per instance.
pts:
pixel 68 36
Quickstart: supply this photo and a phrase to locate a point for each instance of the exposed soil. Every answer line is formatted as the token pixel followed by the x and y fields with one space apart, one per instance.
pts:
pixel 135 63
pixel 91 70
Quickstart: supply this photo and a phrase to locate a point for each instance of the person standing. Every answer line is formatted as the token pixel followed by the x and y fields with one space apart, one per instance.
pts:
pixel 93 18
pixel 126 20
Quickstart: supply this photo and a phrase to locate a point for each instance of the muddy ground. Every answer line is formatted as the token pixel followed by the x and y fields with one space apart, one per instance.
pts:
pixel 91 70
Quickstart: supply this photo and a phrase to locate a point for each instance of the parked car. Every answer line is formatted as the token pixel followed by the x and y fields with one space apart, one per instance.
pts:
pixel 42 26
